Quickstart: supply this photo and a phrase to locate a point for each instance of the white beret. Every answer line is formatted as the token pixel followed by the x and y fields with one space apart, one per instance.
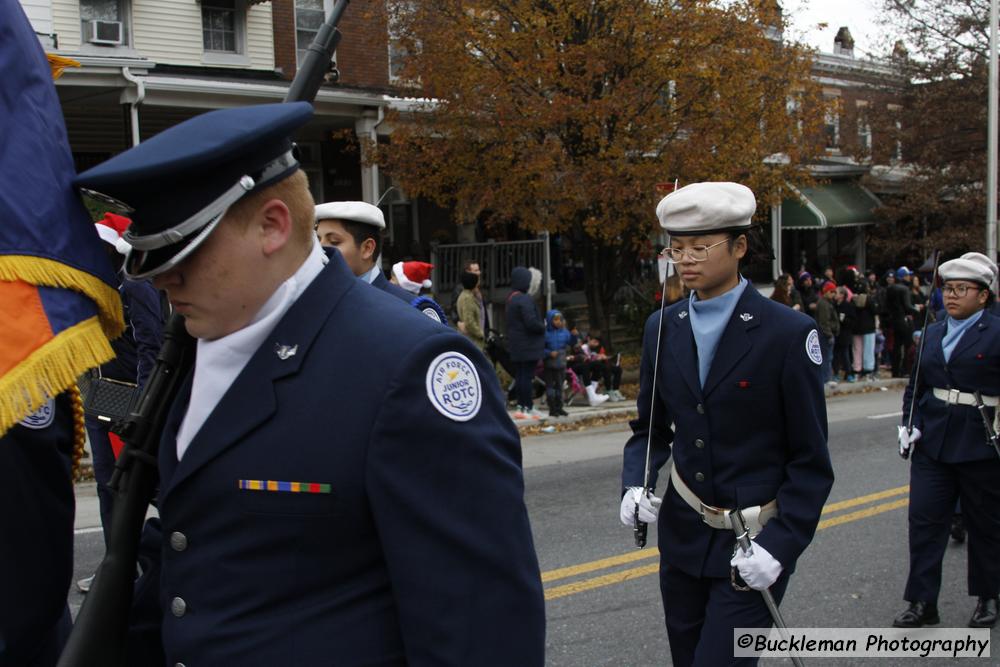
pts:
pixel 706 208
pixel 967 269
pixel 358 211
pixel 985 261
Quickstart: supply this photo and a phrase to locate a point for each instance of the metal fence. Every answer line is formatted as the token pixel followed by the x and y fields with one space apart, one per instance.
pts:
pixel 496 259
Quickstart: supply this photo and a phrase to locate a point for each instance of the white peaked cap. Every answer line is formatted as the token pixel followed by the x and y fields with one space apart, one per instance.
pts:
pixel 358 211
pixel 968 269
pixel 707 208
pixel 985 261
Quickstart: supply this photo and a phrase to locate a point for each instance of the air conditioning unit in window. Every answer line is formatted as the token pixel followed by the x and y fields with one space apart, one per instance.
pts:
pixel 105 32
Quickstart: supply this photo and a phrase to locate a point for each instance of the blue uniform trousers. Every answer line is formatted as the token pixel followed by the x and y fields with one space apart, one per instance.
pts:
pixel 934 488
pixel 103 459
pixel 701 613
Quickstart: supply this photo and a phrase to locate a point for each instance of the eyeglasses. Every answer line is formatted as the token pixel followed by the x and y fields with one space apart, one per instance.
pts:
pixel 697 253
pixel 959 290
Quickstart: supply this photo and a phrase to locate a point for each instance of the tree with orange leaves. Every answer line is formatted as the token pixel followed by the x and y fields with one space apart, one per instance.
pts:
pixel 562 116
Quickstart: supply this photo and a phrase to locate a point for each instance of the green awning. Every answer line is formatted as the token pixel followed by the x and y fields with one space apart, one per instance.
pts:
pixel 835 204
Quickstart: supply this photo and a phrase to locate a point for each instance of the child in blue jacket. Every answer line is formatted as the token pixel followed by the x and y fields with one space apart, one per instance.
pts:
pixel 557 343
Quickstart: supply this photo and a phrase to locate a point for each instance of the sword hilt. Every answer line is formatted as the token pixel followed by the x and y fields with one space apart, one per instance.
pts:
pixel 639 529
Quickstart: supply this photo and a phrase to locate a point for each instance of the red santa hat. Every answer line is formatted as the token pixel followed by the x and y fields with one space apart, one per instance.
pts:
pixel 412 276
pixel 111 228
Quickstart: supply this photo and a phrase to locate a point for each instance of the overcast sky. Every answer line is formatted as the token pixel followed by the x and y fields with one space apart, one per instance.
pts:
pixel 858 15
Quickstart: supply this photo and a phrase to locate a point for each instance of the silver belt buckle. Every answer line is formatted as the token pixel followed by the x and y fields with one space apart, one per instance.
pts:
pixel 953 396
pixel 717 513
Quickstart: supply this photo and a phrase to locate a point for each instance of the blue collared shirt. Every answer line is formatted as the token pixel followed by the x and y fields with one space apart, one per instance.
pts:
pixel 371 275
pixel 954 332
pixel 708 320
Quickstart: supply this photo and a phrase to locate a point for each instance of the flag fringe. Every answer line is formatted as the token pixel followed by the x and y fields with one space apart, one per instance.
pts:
pixel 51 369
pixel 51 273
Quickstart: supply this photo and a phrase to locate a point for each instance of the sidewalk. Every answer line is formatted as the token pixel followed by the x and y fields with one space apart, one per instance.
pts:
pixel 623 408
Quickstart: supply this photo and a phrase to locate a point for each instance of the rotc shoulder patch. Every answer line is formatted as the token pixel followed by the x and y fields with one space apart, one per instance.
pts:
pixel 813 350
pixel 453 386
pixel 42 417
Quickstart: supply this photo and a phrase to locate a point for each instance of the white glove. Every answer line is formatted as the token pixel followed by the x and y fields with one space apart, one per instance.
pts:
pixel 907 441
pixel 759 570
pixel 649 506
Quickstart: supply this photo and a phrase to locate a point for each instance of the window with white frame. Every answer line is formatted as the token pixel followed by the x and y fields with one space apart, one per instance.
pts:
pixel 897 144
pixel 398 52
pixel 104 22
pixel 831 122
pixel 864 128
pixel 222 26
pixel 309 18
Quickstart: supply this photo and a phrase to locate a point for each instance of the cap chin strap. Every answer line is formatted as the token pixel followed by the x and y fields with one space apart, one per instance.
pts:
pixel 214 210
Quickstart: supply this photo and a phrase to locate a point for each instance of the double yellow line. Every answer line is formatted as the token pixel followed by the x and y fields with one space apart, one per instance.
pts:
pixel 619 576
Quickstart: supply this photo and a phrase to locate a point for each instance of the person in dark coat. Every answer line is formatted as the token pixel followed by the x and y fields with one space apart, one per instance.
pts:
pixel 525 337
pixel 808 294
pixel 135 356
pixel 845 337
pixel 740 426
pixel 339 478
pixel 950 458
pixel 900 314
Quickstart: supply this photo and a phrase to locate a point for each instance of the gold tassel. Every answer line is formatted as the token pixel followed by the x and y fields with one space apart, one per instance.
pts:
pixel 59 63
pixel 79 430
pixel 50 273
pixel 51 369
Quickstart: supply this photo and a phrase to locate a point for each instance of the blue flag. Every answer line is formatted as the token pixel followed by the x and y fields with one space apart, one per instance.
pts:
pixel 59 302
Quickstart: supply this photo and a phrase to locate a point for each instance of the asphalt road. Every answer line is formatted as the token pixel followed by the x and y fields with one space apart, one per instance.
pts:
pixel 602 595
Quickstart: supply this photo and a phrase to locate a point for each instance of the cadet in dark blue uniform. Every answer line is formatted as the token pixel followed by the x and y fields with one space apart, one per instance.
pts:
pixel 36 550
pixel 950 457
pixel 340 481
pixel 738 406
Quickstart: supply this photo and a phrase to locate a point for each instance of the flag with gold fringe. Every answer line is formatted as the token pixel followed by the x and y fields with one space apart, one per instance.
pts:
pixel 59 302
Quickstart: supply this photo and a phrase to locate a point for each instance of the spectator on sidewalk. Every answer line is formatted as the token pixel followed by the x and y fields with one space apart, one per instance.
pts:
pixel 468 266
pixel 846 313
pixel 525 339
pixel 557 348
pixel 785 292
pixel 470 311
pixel 808 293
pixel 863 333
pixel 900 313
pixel 828 322
pixel 602 366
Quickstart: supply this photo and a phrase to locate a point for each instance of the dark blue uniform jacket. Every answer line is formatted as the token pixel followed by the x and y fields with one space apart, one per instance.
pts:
pixel 383 284
pixel 756 432
pixel 955 433
pixel 421 552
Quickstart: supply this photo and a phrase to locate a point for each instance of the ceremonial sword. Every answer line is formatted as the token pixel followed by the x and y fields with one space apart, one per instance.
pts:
pixel 743 541
pixel 920 353
pixel 640 527
pixel 991 435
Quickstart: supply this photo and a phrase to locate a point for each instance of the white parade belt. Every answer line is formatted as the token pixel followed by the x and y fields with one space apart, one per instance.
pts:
pixel 956 397
pixel 718 517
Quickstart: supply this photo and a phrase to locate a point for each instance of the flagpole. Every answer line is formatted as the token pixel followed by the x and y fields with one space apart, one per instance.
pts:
pixel 991 149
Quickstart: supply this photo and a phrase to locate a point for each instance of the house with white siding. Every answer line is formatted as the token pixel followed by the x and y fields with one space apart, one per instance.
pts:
pixel 150 64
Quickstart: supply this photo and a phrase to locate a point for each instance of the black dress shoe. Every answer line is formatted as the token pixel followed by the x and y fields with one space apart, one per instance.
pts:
pixel 985 615
pixel 919 614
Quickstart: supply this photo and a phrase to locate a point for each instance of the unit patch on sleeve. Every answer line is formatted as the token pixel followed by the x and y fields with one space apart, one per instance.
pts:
pixel 813 349
pixel 42 417
pixel 453 386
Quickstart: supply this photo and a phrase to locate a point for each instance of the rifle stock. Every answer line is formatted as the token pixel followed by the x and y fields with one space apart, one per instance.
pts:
pixel 100 634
